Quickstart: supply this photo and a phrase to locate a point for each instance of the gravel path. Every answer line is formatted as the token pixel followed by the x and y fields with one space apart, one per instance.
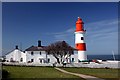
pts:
pixel 80 75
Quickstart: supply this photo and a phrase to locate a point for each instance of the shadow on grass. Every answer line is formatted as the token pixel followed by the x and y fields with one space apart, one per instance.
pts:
pixel 54 79
pixel 43 79
pixel 5 75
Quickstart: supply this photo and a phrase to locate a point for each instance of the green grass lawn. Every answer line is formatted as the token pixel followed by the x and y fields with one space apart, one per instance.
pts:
pixel 110 74
pixel 35 72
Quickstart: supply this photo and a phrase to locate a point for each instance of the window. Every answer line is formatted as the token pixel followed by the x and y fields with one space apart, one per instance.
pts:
pixel 82 38
pixel 40 52
pixel 77 44
pixel 21 59
pixel 32 60
pixel 72 52
pixel 32 53
pixel 72 59
pixel 48 60
pixel 40 60
pixel 11 59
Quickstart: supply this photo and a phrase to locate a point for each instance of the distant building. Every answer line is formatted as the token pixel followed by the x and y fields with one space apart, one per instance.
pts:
pixel 35 54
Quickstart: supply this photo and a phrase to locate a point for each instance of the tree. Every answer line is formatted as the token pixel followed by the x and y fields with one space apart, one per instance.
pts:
pixel 59 50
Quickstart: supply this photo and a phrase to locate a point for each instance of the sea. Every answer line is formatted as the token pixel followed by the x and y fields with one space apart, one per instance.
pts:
pixel 103 57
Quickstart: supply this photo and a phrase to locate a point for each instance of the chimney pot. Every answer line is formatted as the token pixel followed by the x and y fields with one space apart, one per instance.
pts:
pixel 39 43
pixel 16 47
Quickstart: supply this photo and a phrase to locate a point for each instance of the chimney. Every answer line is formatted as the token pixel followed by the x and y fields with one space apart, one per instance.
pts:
pixel 16 47
pixel 39 43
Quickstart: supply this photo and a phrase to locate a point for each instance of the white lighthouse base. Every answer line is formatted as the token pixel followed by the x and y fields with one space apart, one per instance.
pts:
pixel 82 56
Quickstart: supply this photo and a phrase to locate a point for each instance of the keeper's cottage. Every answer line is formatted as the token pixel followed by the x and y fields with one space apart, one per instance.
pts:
pixel 35 54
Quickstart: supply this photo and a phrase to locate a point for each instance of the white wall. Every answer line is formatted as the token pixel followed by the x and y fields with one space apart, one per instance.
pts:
pixel 82 56
pixel 16 55
pixel 23 55
pixel 52 58
pixel 75 56
pixel 36 56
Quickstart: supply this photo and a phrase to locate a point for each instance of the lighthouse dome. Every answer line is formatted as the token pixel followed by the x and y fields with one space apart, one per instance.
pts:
pixel 79 21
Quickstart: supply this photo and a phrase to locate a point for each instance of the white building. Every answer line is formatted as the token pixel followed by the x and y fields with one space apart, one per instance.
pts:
pixel 35 54
pixel 16 55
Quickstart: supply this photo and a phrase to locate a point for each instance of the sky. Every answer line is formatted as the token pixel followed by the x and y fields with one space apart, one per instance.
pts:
pixel 25 23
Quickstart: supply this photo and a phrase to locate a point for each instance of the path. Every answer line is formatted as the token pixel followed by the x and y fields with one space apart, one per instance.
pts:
pixel 80 75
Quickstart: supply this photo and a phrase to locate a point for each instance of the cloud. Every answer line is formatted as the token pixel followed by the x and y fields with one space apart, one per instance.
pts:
pixel 66 35
pixel 100 30
pixel 102 36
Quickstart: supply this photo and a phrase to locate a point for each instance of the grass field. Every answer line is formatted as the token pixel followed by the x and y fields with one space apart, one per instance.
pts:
pixel 50 72
pixel 110 74
pixel 35 72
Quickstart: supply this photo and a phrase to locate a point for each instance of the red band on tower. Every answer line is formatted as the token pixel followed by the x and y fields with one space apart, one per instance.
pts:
pixel 81 46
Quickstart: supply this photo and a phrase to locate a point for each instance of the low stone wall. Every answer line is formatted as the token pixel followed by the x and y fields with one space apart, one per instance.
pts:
pixel 96 65
pixel 27 64
pixel 89 65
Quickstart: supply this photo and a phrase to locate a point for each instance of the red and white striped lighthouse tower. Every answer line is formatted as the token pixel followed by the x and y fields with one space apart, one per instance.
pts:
pixel 79 40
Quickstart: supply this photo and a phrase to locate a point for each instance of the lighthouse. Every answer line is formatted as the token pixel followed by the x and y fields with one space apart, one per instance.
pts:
pixel 80 40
